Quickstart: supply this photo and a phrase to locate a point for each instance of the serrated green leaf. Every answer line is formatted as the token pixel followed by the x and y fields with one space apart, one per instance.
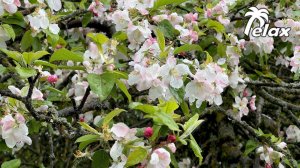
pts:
pixel 9 30
pixel 160 39
pixel 86 19
pixel 165 119
pixel 30 57
pixel 102 84
pixel 88 128
pixel 111 115
pixel 65 55
pixel 26 41
pixel 159 3
pixel 88 137
pixel 187 47
pixel 26 72
pixel 14 55
pixel 101 159
pixel 136 156
pixel 167 29
pixel 11 164
pixel 250 146
pixel 123 87
pixel 196 149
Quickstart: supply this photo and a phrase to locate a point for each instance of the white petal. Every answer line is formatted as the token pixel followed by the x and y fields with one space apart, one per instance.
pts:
pixel 54 28
pixel 54 4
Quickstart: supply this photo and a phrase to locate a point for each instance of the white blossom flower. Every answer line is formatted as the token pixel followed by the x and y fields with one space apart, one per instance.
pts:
pixel 144 77
pixel 241 105
pixel 120 19
pixel 14 131
pixel 172 73
pixel 295 60
pixel 54 4
pixel 160 158
pixel 208 84
pixel 138 34
pixel 122 131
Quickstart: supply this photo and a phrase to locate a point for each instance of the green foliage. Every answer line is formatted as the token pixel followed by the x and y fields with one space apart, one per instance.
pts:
pixel 101 159
pixel 101 84
pixel 111 115
pixel 167 29
pixel 136 156
pixel 187 47
pixel 159 3
pixel 65 55
pixel 15 163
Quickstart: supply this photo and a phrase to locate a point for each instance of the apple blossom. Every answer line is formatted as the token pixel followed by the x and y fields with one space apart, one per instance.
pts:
pixel 173 73
pixel 241 105
pixel 144 77
pixel 172 147
pixel 208 84
pixel 122 131
pixel 252 103
pixel 295 60
pixel 14 131
pixel 160 158
pixel 138 34
pixel 120 19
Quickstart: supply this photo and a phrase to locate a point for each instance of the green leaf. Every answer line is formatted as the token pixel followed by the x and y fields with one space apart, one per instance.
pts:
pixel 101 159
pixel 45 63
pixel 167 29
pixel 65 55
pixel 98 38
pixel 196 149
pixel 84 144
pixel 26 72
pixel 88 128
pixel 187 47
pixel 136 156
pixel 30 57
pixel 111 115
pixel 88 138
pixel 16 19
pixel 185 108
pixel 11 164
pixel 250 146
pixel 9 30
pixel 165 119
pixel 86 19
pixel 159 3
pixel 191 125
pixel 147 108
pixel 216 25
pixel 160 39
pixel 123 87
pixel 13 54
pixel 169 106
pixel 26 41
pixel 101 84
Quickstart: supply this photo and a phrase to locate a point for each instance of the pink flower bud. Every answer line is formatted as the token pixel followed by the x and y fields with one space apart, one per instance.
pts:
pixel 52 79
pixel 171 138
pixel 268 165
pixel 148 132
